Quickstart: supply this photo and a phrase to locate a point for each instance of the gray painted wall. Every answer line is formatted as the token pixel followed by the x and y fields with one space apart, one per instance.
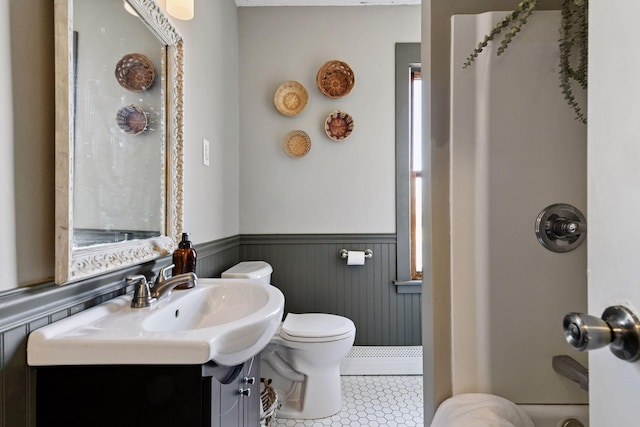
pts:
pixel 312 277
pixel 27 309
pixel 306 268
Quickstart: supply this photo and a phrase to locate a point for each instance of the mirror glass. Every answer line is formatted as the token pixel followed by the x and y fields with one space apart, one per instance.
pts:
pixel 119 128
pixel 118 135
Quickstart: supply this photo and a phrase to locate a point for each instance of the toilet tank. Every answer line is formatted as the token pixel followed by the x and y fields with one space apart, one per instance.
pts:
pixel 258 270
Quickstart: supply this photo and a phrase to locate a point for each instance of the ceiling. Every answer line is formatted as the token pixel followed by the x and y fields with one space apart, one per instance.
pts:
pixel 254 3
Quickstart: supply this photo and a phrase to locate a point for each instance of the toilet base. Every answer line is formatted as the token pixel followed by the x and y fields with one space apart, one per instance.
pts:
pixel 319 396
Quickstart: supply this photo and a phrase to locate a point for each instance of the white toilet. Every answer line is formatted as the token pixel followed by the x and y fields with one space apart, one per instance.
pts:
pixel 303 358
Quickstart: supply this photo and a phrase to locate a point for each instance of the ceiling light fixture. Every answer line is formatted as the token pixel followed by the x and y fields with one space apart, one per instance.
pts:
pixel 129 8
pixel 180 9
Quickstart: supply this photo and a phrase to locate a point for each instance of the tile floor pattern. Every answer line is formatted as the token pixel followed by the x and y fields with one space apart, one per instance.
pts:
pixel 373 401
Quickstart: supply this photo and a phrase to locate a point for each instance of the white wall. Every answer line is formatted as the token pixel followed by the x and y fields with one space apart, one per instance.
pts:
pixel 339 187
pixel 515 149
pixel 8 270
pixel 614 180
pixel 436 298
pixel 28 149
pixel 211 111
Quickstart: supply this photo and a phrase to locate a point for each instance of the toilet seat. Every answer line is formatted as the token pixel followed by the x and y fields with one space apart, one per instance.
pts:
pixel 315 327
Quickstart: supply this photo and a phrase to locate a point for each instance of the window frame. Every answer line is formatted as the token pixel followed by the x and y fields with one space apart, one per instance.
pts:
pixel 407 55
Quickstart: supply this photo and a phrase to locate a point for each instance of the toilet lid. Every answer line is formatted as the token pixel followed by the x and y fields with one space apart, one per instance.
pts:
pixel 248 270
pixel 316 325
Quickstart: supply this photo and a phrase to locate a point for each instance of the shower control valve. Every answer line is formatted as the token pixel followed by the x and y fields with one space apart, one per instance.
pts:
pixel 564 228
pixel 561 227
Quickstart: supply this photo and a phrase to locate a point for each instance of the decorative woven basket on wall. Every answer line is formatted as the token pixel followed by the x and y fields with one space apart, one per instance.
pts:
pixel 135 72
pixel 132 119
pixel 335 79
pixel 290 98
pixel 339 125
pixel 297 143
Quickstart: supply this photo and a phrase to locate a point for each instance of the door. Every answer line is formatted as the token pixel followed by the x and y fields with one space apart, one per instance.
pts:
pixel 614 198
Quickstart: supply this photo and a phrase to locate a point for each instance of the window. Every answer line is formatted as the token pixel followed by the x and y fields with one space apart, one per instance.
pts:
pixel 409 170
pixel 415 166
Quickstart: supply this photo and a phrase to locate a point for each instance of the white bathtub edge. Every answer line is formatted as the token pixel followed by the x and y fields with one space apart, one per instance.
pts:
pixel 556 415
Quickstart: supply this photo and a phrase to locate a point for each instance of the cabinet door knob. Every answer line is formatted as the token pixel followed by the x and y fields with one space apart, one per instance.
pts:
pixel 249 380
pixel 245 392
pixel 618 328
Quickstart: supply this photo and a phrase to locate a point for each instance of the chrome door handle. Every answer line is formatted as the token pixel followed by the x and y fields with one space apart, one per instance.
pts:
pixel 618 328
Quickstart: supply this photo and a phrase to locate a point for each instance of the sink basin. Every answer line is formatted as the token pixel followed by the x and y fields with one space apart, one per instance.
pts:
pixel 227 321
pixel 215 306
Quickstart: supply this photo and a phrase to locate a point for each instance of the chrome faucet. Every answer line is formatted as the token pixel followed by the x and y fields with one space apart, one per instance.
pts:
pixel 144 295
pixel 164 286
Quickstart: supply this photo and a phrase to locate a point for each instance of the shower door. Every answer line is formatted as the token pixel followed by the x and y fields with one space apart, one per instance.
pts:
pixel 614 198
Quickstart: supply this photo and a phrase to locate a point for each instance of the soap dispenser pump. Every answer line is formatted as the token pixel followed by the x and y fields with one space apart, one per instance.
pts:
pixel 184 259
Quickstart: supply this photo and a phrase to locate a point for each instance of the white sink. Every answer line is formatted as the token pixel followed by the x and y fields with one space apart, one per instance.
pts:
pixel 227 321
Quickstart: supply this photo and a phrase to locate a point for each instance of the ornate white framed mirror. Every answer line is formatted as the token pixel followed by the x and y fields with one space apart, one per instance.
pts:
pixel 119 141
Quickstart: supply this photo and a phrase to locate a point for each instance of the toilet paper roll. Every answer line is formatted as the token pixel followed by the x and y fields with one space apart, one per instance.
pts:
pixel 355 258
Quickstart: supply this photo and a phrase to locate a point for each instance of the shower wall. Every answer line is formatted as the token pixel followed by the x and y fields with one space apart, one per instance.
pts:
pixel 515 149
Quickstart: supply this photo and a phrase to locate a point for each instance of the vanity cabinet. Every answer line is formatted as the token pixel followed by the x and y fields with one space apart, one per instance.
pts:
pixel 148 395
pixel 235 402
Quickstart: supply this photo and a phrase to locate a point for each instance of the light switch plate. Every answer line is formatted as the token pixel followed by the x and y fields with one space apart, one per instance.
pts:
pixel 205 152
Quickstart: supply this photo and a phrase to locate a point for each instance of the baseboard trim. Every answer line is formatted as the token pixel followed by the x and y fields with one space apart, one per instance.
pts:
pixel 382 360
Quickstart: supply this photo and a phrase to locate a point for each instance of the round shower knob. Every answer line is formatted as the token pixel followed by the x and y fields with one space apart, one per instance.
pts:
pixel 619 328
pixel 565 228
pixel 561 227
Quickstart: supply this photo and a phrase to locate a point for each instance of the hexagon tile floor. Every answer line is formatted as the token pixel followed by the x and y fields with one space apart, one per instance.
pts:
pixel 372 401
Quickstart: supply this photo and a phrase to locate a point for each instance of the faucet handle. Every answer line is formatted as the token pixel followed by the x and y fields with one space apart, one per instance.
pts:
pixel 141 292
pixel 162 275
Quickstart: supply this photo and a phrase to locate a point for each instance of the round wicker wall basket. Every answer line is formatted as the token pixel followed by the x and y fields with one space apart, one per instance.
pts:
pixel 135 72
pixel 339 125
pixel 297 143
pixel 290 98
pixel 132 119
pixel 335 79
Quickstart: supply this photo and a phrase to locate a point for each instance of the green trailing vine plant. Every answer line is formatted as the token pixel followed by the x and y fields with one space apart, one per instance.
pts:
pixel 573 41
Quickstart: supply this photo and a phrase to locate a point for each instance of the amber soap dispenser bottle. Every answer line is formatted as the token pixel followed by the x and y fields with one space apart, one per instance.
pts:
pixel 184 259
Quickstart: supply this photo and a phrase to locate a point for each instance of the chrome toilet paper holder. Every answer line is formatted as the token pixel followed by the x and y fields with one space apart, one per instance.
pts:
pixel 368 253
